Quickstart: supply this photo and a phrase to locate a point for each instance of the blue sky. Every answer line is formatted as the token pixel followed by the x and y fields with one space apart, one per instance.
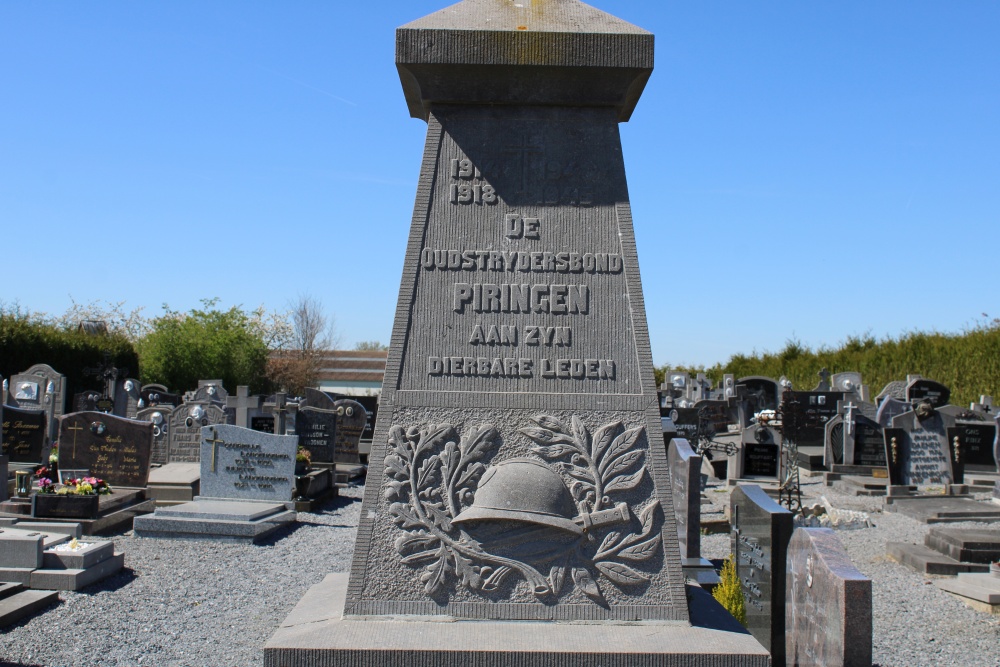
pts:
pixel 797 169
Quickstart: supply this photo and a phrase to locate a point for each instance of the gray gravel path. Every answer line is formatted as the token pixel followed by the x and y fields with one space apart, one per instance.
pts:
pixel 189 603
pixel 199 603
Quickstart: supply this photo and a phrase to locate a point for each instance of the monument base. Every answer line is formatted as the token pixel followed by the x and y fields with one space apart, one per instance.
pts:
pixel 315 634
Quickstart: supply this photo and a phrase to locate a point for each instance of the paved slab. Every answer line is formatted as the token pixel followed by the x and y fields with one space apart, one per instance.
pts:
pixel 944 509
pixel 221 510
pixel 927 561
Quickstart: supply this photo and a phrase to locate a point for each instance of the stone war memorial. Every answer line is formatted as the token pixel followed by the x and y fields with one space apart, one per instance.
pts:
pixel 518 483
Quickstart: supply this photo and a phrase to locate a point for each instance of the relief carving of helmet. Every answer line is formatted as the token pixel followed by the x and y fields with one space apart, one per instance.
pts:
pixel 523 490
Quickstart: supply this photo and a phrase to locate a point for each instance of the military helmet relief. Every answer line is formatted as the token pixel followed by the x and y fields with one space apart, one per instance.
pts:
pixel 547 519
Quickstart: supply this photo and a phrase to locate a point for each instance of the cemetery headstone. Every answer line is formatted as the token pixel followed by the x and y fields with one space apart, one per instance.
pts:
pixel 159 415
pixel 370 404
pixel 24 435
pixel 889 409
pixel 761 531
pixel 243 464
pixel 685 478
pixel 759 455
pixel 923 389
pixel 153 395
pixel 185 427
pixel 824 381
pixel 314 398
pixel 819 407
pixel 895 389
pixel 317 431
pixel 90 400
pixel 112 448
pixel 210 391
pixel 918 450
pixel 764 393
pixel 108 374
pixel 49 388
pixel 716 415
pixel 975 445
pixel 850 383
pixel 828 612
pixel 128 391
pixel 351 421
pixel 246 484
pixel 4 472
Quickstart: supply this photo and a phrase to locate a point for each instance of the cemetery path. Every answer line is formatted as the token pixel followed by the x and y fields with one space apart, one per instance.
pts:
pixel 189 603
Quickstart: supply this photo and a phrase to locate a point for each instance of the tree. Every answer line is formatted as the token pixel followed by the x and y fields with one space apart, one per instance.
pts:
pixel 232 345
pixel 297 364
pixel 371 346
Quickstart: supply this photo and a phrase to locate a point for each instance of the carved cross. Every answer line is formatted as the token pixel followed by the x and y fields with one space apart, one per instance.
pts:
pixel 75 428
pixel 523 151
pixel 215 441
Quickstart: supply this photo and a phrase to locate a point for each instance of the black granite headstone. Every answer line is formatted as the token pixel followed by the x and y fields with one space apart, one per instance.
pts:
pixel 317 431
pixel 818 408
pixel 24 434
pixel 922 388
pixel 112 448
pixel 975 440
pixel 262 423
pixel 761 530
pixel 869 446
pixel 760 459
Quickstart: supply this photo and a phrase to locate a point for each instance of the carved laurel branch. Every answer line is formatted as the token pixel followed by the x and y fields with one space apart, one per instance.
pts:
pixel 433 474
pixel 602 463
pixel 428 489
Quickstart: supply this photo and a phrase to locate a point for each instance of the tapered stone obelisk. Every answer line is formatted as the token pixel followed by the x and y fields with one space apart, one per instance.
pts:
pixel 518 476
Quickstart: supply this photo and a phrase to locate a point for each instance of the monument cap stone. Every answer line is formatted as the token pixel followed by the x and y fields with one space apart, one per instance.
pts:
pixel 543 52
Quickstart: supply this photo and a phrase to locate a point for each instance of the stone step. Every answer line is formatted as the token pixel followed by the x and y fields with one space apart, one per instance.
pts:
pixel 24 603
pixel 983 588
pixel 8 588
pixel 967 545
pixel 944 509
pixel 927 561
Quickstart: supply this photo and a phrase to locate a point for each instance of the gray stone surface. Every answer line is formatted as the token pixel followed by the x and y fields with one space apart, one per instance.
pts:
pixel 244 406
pixel 685 477
pixel 55 558
pixel 925 560
pixel 222 510
pixel 923 454
pixel 889 409
pixel 761 530
pixel 828 607
pixel 160 417
pixel 351 420
pixel 971 545
pixel 944 509
pixel 75 579
pixel 924 388
pixel 49 394
pixel 317 634
pixel 186 422
pixel 20 548
pixel 17 603
pixel 193 527
pixel 982 587
pixel 240 463
pixel 520 342
pixel 112 448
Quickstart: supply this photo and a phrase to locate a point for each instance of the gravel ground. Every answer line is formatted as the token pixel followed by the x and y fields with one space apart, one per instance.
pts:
pixel 201 603
pixel 915 623
pixel 189 602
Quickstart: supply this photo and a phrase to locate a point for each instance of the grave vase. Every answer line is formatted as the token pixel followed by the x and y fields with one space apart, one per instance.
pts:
pixel 64 507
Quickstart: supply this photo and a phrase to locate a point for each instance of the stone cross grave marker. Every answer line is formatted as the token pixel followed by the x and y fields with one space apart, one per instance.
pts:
pixel 243 464
pixel 108 373
pixel 112 448
pixel 761 530
pixel 244 406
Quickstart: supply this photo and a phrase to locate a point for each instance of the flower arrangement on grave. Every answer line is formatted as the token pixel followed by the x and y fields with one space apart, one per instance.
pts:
pixel 86 486
pixel 303 459
pixel 44 476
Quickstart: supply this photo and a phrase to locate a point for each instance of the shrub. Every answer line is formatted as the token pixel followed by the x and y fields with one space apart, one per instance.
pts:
pixel 729 593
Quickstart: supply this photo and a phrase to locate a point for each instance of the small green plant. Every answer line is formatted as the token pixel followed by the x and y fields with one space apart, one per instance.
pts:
pixel 729 593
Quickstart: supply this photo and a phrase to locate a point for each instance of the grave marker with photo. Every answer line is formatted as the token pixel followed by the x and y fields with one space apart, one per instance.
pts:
pixel 112 448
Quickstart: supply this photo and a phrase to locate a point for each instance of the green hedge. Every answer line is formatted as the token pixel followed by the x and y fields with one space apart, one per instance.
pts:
pixel 25 342
pixel 968 363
